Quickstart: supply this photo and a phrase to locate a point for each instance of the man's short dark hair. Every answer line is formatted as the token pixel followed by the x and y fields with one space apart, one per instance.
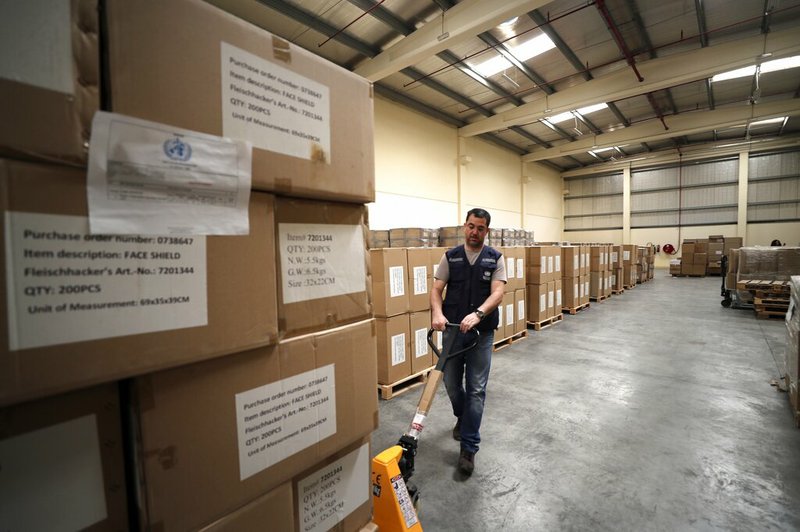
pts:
pixel 480 213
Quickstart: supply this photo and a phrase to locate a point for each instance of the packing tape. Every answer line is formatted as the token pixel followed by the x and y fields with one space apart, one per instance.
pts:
pixel 281 49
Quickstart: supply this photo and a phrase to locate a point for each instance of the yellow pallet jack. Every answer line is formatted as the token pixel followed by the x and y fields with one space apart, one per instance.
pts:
pixel 395 499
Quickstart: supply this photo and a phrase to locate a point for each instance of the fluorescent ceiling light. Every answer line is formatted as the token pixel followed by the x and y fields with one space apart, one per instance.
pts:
pixel 767 66
pixel 523 52
pixel 598 150
pixel 561 117
pixel 509 22
pixel 768 121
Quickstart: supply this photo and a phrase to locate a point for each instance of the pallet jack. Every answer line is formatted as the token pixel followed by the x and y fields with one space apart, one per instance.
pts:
pixel 395 499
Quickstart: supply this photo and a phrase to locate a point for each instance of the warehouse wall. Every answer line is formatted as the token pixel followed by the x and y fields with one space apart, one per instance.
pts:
pixel 763 234
pixel 419 163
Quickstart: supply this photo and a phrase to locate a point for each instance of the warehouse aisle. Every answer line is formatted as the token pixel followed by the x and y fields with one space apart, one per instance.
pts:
pixel 649 411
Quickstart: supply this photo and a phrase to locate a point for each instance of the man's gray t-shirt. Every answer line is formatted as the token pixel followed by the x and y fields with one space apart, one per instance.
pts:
pixel 443 270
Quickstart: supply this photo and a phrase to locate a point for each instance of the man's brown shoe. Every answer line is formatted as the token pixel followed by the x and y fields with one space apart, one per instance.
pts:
pixel 466 462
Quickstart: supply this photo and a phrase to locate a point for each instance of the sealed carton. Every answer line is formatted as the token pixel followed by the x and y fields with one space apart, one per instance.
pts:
pixel 309 120
pixel 214 436
pixel 49 79
pixel 519 311
pixel 81 309
pixel 537 302
pixel 394 348
pixel 570 261
pixel 390 291
pixel 270 508
pixel 323 274
pixel 419 279
pixel 63 463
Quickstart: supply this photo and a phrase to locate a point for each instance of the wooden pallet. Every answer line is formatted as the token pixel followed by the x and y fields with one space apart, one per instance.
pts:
pixel 773 287
pixel 617 292
pixel 539 325
pixel 402 386
pixel 767 314
pixel 629 286
pixel 505 342
pixel 772 301
pixel 575 310
pixel 598 299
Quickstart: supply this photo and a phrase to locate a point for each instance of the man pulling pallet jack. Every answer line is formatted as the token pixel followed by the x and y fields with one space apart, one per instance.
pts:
pixel 474 275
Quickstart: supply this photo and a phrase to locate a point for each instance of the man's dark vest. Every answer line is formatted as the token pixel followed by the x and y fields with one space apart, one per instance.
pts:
pixel 469 285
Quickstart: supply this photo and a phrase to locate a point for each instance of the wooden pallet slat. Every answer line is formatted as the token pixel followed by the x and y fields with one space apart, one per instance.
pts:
pixel 387 391
pixel 598 299
pixel 575 310
pixel 505 342
pixel 539 325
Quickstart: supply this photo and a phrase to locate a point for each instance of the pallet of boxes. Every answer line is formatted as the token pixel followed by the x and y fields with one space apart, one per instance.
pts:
pixel 762 279
pixel 694 258
pixel 244 364
pixel 599 272
pixel 574 279
pixel 617 270
pixel 543 283
pixel 512 325
pixel 791 358
pixel 401 283
pixel 630 271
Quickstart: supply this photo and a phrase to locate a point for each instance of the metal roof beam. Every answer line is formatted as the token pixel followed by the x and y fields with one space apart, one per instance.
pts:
pixel 659 73
pixel 402 98
pixel 384 15
pixel 565 50
pixel 501 48
pixel 456 25
pixel 683 124
pixel 415 74
pixel 701 22
pixel 449 57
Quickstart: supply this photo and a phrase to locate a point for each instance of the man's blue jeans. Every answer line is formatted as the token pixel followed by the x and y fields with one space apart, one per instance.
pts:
pixel 465 378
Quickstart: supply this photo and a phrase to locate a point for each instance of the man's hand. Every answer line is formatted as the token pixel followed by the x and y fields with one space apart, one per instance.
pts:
pixel 438 322
pixel 469 321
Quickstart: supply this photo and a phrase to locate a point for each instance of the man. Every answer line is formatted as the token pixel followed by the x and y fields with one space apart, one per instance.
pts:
pixel 474 275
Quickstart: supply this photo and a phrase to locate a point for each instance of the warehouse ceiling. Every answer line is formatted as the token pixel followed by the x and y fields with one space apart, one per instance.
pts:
pixel 573 84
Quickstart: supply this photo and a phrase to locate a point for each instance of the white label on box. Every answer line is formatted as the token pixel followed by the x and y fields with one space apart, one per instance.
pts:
pixel 398 342
pixel 321 260
pixel 626 255
pixel 586 288
pixel 510 273
pixel 550 264
pixel 614 257
pixel 150 178
pixel 521 310
pixel 614 280
pixel 420 280
pixel 558 263
pixel 551 298
pixel 520 268
pixel 542 302
pixel 544 264
pixel 558 298
pixel 576 292
pixel 282 418
pixel 575 263
pixel 274 108
pixel 64 285
pixel 499 317
pixel 581 289
pixel 421 342
pixel 718 252
pixel 397 281
pixel 36 44
pixel 333 492
pixel 510 314
pixel 57 468
pixel 586 260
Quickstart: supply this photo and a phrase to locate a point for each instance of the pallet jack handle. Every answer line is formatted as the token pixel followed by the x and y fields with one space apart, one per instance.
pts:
pixel 395 498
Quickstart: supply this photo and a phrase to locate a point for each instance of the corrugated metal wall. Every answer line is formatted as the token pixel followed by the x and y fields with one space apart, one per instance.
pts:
pixel 593 202
pixel 773 189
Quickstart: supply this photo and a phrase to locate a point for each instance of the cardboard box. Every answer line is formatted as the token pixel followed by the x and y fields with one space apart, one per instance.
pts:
pixel 49 88
pixel 608 282
pixel 559 297
pixel 80 310
pixel 270 508
pixel 420 279
pixel 555 252
pixel 323 275
pixel 571 293
pixel 335 494
pixel 551 299
pixel 715 250
pixel 570 261
pixel 537 265
pixel 63 463
pixel 698 269
pixel 310 121
pixel 618 279
pixel 516 276
pixel 394 348
pixel 701 246
pixel 520 323
pixel 521 270
pixel 596 284
pixel 509 313
pixel 675 267
pixel 586 283
pixel 700 258
pixel 616 257
pixel 389 267
pixel 500 330
pixel 420 352
pixel 435 256
pixel 214 436
pixel 629 254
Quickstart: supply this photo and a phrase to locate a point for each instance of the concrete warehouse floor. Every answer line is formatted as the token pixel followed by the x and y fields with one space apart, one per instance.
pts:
pixel 652 410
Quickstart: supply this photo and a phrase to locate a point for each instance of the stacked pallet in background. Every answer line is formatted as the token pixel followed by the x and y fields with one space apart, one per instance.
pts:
pixel 543 285
pixel 573 279
pixel 762 276
pixel 617 270
pixel 599 272
pixel 248 363
pixel 413 237
pixel 630 273
pixel 694 258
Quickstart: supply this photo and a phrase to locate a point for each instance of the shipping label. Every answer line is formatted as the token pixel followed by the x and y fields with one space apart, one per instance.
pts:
pixel 542 302
pixel 397 281
pixel 558 263
pixel 521 310
pixel 64 285
pixel 421 342
pixel 280 419
pixel 551 299
pixel 321 260
pixel 510 314
pixel 333 492
pixel 550 268
pixel 420 280
pixel 398 346
pixel 274 108
pixel 558 298
pixel 520 268
pixel 510 268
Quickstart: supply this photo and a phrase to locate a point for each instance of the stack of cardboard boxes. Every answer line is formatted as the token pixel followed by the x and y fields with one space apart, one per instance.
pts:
pixel 247 363
pixel 617 269
pixel 599 272
pixel 514 313
pixel 630 272
pixel 694 257
pixel 574 280
pixel 543 282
